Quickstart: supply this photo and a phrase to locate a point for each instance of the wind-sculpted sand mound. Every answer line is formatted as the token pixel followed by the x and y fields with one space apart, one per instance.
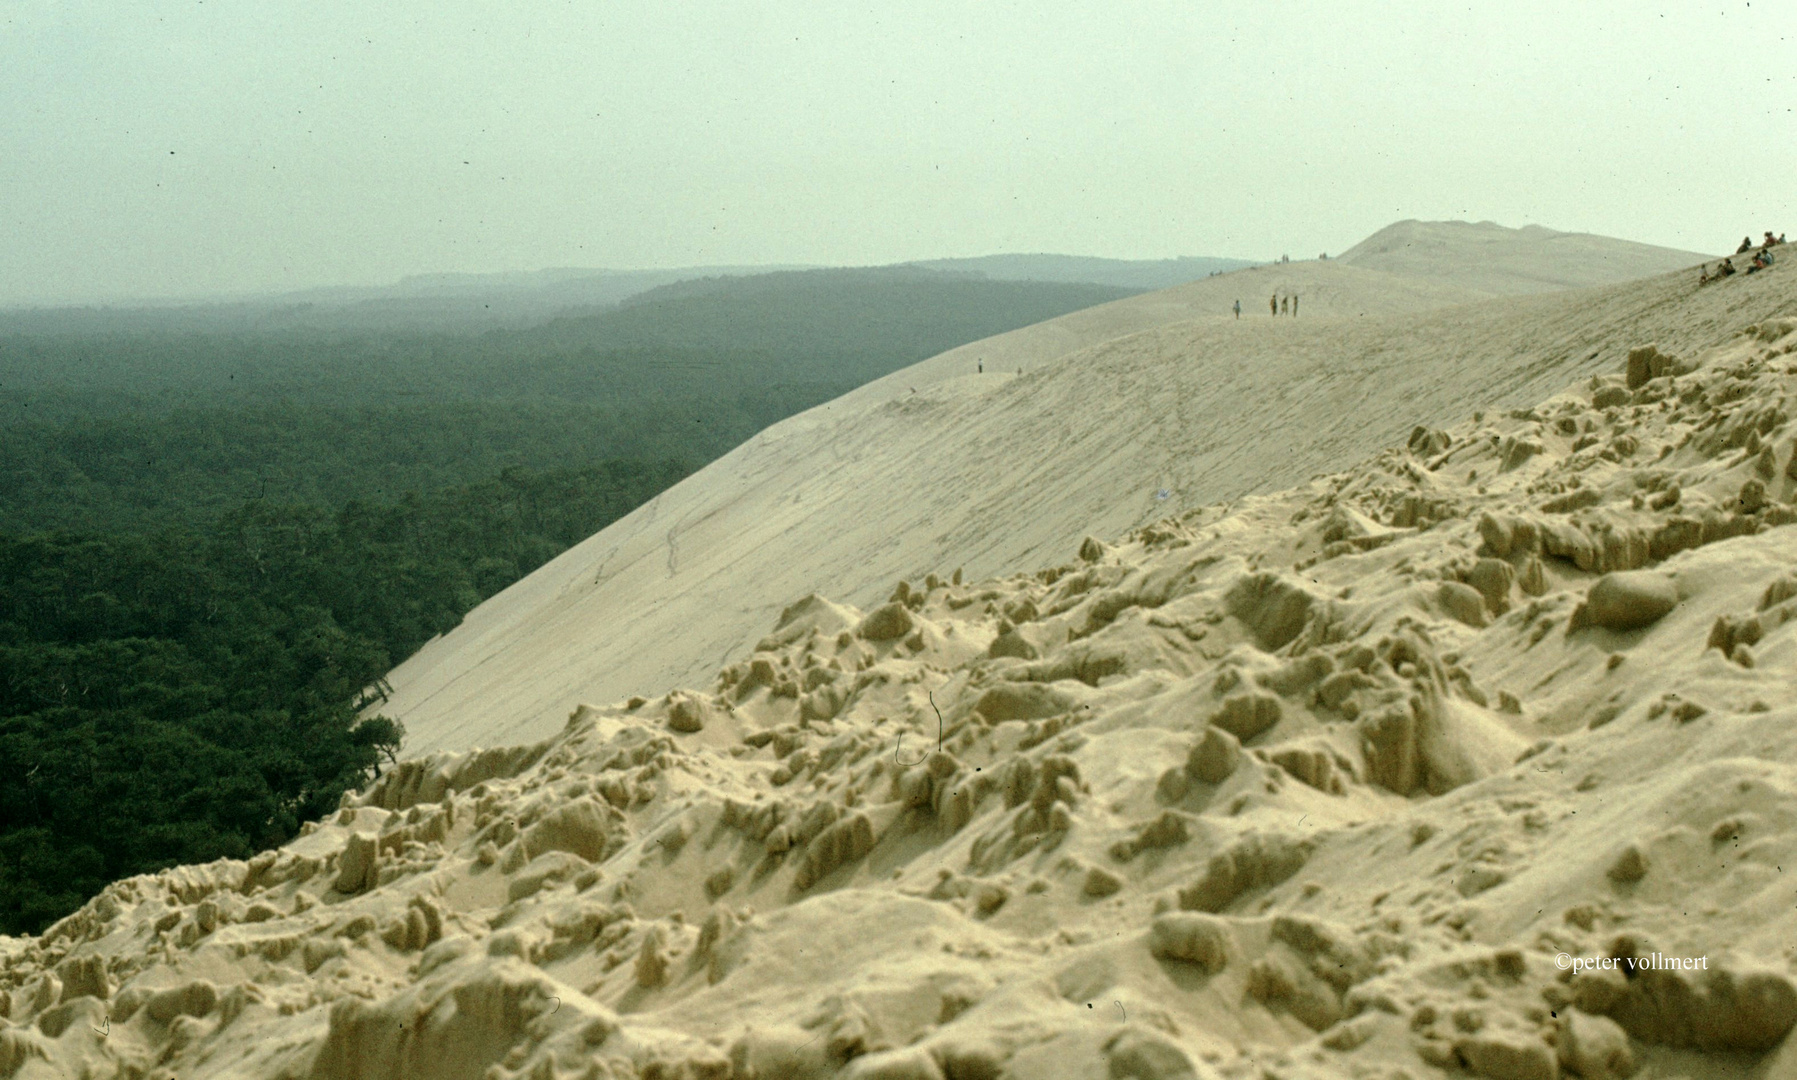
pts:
pixel 1479 758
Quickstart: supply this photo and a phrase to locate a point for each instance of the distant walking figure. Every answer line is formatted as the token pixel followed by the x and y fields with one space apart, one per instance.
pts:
pixel 982 365
pixel 1238 309
pixel 1294 305
pixel 1285 305
pixel 1273 303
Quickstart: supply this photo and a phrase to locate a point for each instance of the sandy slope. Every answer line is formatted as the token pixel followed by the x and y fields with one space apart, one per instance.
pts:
pixel 1493 259
pixel 936 466
pixel 1332 781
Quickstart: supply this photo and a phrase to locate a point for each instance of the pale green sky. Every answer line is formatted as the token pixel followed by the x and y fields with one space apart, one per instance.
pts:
pixel 208 146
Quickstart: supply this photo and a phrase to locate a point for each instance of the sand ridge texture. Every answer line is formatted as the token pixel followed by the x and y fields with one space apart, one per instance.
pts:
pixel 1124 413
pixel 1332 781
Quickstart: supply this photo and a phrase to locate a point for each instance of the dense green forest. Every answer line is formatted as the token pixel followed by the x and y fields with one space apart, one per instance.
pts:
pixel 216 537
pixel 105 428
pixel 183 695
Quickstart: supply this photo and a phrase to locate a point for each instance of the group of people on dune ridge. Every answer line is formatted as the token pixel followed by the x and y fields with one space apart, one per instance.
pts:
pixel 1277 305
pixel 1761 259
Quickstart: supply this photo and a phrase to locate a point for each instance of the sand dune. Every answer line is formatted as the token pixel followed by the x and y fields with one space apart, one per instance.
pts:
pixel 1493 259
pixel 1124 413
pixel 1475 755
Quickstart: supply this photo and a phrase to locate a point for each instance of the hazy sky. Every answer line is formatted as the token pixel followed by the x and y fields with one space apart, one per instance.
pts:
pixel 207 146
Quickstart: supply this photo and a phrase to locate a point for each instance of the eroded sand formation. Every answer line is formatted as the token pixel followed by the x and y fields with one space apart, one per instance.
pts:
pixel 1320 783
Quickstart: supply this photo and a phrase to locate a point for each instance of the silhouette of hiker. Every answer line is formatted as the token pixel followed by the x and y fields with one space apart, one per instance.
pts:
pixel 1238 309
pixel 1273 303
pixel 1285 305
pixel 1294 305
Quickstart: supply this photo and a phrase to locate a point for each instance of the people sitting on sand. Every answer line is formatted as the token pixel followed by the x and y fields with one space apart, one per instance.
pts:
pixel 1770 240
pixel 1746 245
pixel 1727 268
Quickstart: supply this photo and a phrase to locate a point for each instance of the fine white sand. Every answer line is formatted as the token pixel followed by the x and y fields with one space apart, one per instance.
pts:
pixel 1336 779
pixel 936 467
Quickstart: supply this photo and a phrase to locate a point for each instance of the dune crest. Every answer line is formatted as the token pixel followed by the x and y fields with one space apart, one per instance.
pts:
pixel 1123 413
pixel 1500 261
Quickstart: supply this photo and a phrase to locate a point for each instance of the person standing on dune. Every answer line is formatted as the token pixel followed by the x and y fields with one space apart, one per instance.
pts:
pixel 1294 305
pixel 1238 309
pixel 1273 303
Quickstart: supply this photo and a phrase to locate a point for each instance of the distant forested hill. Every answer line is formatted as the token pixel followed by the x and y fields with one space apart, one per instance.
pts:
pixel 1127 273
pixel 219 532
pixel 106 427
